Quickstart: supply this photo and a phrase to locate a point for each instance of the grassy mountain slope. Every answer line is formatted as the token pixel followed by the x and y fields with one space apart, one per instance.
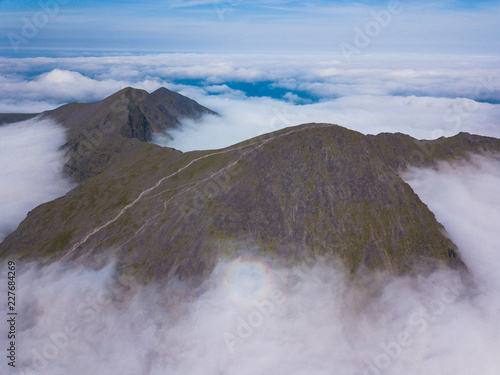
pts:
pixel 315 189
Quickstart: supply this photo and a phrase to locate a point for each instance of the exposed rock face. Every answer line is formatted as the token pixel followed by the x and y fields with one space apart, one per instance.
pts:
pixel 314 189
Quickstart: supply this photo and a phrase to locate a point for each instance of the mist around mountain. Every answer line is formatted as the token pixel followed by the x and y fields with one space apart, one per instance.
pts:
pixel 304 250
pixel 294 194
pixel 318 194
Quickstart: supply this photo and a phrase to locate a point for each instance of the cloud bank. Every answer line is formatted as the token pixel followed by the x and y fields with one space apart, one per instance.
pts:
pixel 420 117
pixel 252 319
pixel 326 76
pixel 31 169
pixel 465 197
pixel 424 96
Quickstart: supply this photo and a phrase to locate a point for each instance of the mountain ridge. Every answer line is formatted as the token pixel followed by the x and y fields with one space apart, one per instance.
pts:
pixel 196 216
pixel 300 192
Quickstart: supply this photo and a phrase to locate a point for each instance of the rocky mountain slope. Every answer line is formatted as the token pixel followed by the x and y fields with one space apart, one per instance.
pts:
pixel 313 189
pixel 97 132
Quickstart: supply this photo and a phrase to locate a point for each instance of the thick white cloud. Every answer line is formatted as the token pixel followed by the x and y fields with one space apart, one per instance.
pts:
pixel 423 96
pixel 56 87
pixel 31 169
pixel 323 76
pixel 465 197
pixel 252 317
pixel 420 117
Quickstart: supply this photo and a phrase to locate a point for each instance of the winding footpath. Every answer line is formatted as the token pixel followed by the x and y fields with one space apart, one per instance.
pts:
pixel 259 144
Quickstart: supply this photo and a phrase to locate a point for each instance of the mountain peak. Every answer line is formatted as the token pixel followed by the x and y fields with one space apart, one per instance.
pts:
pixel 163 91
pixel 99 131
pixel 130 92
pixel 337 193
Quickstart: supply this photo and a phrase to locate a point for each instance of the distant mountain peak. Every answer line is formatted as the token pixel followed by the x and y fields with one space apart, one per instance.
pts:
pixel 99 131
pixel 162 91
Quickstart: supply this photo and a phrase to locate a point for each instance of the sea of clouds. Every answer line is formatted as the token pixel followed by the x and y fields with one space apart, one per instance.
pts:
pixel 251 316
pixel 424 96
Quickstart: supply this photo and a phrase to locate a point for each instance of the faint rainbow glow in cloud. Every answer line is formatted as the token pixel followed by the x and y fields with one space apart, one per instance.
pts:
pixel 247 280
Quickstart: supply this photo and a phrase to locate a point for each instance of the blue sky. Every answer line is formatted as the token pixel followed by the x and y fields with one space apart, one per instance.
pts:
pixel 228 26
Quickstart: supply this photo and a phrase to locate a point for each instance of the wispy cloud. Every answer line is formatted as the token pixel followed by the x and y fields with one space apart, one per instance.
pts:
pixel 31 171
